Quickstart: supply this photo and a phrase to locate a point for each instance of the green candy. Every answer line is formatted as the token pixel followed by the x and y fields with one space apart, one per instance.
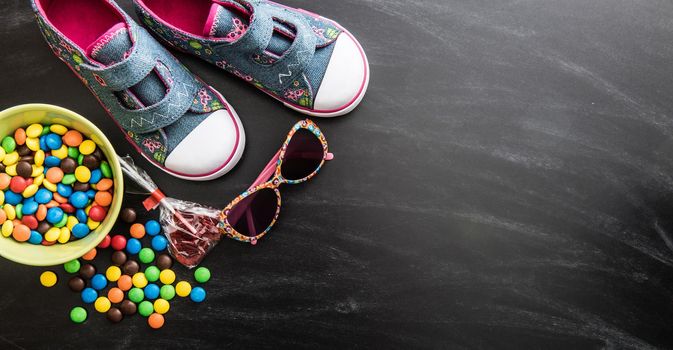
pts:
pixel 146 255
pixel 80 158
pixel 145 308
pixel 136 295
pixel 45 130
pixel 71 266
pixel 105 169
pixel 9 144
pixel 202 275
pixel 69 179
pixel 19 211
pixel 73 152
pixel 78 314
pixel 152 273
pixel 167 292
pixel 63 221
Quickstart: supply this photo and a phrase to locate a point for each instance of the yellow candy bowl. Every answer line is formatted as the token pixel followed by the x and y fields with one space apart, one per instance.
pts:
pixel 40 255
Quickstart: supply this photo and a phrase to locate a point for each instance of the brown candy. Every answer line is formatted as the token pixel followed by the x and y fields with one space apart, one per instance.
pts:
pixel 76 284
pixel 43 227
pixel 80 187
pixel 23 150
pixel 87 271
pixel 30 159
pixel 68 165
pixel 164 261
pixel 24 169
pixel 118 258
pixel 114 315
pixel 128 215
pixel 90 161
pixel 128 307
pixel 98 153
pixel 130 268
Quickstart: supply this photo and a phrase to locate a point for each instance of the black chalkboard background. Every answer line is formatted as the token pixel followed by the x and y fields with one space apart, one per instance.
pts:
pixel 506 183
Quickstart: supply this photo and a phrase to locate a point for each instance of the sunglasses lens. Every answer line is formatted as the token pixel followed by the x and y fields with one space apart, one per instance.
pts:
pixel 252 215
pixel 302 156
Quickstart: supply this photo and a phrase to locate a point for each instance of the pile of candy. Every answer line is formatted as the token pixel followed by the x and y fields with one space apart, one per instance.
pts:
pixel 131 289
pixel 55 185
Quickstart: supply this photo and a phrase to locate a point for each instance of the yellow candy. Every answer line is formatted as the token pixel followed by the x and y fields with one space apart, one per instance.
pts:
pixel 2 198
pixel 37 171
pixel 113 273
pixel 48 185
pixel 52 234
pixel 64 235
pixel 167 276
pixel 30 190
pixel 7 228
pixel 183 288
pixel 11 158
pixel 48 279
pixel 58 129
pixel 139 280
pixel 102 304
pixel 92 224
pixel 82 174
pixel 2 154
pixel 60 153
pixel 38 179
pixel 71 222
pixel 87 147
pixel 11 170
pixel 33 144
pixel 38 158
pixel 161 306
pixel 10 211
pixel 34 130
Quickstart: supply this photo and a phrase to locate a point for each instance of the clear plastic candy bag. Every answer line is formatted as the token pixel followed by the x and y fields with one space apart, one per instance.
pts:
pixel 191 228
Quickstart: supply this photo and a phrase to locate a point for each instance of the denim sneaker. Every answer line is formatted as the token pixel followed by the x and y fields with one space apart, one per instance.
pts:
pixel 310 63
pixel 175 120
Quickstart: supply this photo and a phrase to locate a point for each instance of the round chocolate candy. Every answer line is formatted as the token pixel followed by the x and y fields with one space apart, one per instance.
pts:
pixel 23 150
pixel 164 261
pixel 87 271
pixel 43 227
pixel 114 315
pixel 128 307
pixel 128 215
pixel 80 187
pixel 131 267
pixel 24 169
pixel 118 258
pixel 76 284
pixel 90 161
pixel 68 165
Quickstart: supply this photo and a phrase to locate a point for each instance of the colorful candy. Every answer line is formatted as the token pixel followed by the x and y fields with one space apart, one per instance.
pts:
pixel 48 278
pixel 156 321
pixel 202 275
pixel 78 314
pixel 183 288
pixel 198 294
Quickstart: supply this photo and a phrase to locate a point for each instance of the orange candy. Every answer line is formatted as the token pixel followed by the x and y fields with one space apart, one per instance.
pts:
pixel 59 198
pixel 20 136
pixel 41 212
pixel 156 320
pixel 103 198
pixel 21 233
pixel 4 181
pixel 73 138
pixel 125 282
pixel 54 175
pixel 90 255
pixel 104 184
pixel 115 295
pixel 3 217
pixel 137 231
pixel 52 203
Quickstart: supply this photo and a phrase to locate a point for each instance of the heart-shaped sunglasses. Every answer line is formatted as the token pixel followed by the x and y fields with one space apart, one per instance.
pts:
pixel 252 214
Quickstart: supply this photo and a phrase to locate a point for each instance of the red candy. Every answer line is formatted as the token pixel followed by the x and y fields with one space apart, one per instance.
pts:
pixel 46 243
pixel 98 213
pixel 105 242
pixel 30 221
pixel 18 184
pixel 67 208
pixel 118 242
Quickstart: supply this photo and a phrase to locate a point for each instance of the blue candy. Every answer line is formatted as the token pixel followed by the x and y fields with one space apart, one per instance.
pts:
pixel 152 227
pixel 133 246
pixel 35 237
pixel 53 141
pixel 151 291
pixel 13 198
pixel 96 176
pixel 79 200
pixel 98 281
pixel 51 161
pixel 81 216
pixel 80 230
pixel 43 142
pixel 89 295
pixel 159 243
pixel 64 190
pixel 91 194
pixel 43 196
pixel 55 215
pixel 198 294
pixel 29 207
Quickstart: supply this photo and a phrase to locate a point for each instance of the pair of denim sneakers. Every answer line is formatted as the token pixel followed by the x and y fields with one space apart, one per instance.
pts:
pixel 181 124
